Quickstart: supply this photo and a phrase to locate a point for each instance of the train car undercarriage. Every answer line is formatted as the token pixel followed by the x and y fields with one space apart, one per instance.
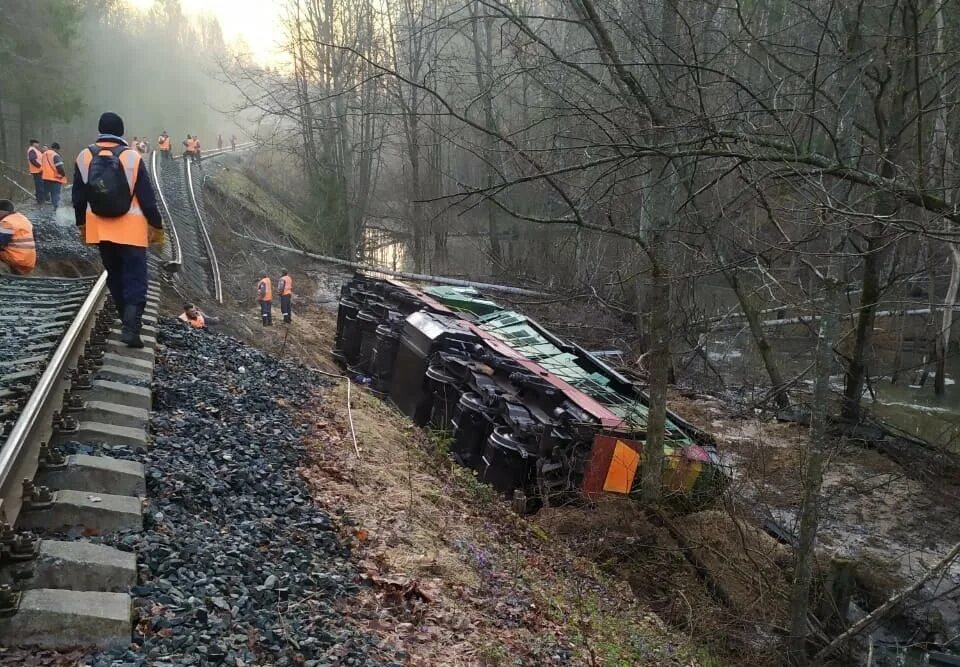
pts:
pixel 541 420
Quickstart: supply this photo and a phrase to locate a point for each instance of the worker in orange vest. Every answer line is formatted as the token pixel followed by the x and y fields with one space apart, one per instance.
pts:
pixel 265 299
pixel 34 156
pixel 285 287
pixel 53 172
pixel 195 317
pixel 18 249
pixel 163 145
pixel 196 147
pixel 115 208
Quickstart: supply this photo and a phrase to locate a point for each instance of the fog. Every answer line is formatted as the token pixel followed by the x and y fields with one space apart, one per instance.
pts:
pixel 64 62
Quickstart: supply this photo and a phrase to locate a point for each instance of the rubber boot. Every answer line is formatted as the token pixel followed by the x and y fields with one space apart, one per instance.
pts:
pixel 286 318
pixel 132 322
pixel 270 319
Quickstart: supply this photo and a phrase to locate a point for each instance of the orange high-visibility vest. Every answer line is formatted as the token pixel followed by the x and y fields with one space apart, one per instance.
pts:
pixel 285 285
pixel 48 170
pixel 35 153
pixel 198 323
pixel 131 228
pixel 20 253
pixel 267 290
pixel 191 145
pixel 163 143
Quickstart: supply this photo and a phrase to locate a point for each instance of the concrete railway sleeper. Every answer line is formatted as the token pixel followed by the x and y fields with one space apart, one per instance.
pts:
pixel 75 383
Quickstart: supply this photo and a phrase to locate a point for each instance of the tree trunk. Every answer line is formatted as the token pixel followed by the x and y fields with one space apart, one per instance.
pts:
pixel 943 338
pixel 760 339
pixel 813 479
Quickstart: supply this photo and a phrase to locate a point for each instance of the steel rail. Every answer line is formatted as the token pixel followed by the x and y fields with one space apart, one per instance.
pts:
pixel 211 254
pixel 18 457
pixel 177 258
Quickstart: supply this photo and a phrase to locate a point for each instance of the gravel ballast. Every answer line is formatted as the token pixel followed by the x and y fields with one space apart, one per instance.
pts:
pixel 238 565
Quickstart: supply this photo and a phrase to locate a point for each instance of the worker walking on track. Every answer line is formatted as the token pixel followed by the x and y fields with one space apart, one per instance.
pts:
pixel 53 172
pixel 163 145
pixel 265 299
pixel 219 142
pixel 115 208
pixel 285 287
pixel 34 157
pixel 18 249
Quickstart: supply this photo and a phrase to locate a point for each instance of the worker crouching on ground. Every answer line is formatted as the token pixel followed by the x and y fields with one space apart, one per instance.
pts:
pixel 265 299
pixel 114 206
pixel 195 317
pixel 285 287
pixel 18 250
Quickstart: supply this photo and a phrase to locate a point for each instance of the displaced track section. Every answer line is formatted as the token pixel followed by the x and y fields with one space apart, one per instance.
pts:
pixel 192 253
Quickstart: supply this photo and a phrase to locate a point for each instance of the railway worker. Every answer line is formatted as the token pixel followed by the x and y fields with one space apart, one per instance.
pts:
pixel 53 172
pixel 163 145
pixel 189 147
pixel 233 142
pixel 195 317
pixel 115 208
pixel 34 155
pixel 285 287
pixel 196 145
pixel 219 142
pixel 18 250
pixel 265 299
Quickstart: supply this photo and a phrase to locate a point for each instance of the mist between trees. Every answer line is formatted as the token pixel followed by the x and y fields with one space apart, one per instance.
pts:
pixel 64 62
pixel 799 152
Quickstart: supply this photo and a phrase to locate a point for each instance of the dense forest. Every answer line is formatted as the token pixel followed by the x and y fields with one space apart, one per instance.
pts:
pixel 774 179
pixel 64 62
pixel 797 154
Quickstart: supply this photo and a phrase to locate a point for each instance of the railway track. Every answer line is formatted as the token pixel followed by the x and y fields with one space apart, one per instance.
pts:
pixel 65 377
pixel 190 245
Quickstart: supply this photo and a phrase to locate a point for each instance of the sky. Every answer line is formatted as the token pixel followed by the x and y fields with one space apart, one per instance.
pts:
pixel 256 21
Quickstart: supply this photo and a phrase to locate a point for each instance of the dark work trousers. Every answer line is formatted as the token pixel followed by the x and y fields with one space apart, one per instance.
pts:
pixel 126 267
pixel 266 312
pixel 53 188
pixel 38 187
pixel 285 307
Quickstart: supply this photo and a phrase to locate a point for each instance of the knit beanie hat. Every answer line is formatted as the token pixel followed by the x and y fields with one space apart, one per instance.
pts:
pixel 111 123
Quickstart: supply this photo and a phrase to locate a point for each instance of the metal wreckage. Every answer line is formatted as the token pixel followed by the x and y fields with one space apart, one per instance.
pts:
pixel 540 419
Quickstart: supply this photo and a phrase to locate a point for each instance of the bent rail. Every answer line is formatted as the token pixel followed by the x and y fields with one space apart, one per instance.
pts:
pixel 211 253
pixel 176 253
pixel 19 455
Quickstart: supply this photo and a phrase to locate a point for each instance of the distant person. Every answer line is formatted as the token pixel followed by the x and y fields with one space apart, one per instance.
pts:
pixel 233 142
pixel 114 206
pixel 34 157
pixel 195 317
pixel 18 249
pixel 54 173
pixel 196 155
pixel 163 145
pixel 135 144
pixel 285 287
pixel 265 299
pixel 220 142
pixel 189 147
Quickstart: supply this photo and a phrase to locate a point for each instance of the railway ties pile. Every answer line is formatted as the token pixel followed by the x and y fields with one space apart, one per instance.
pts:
pixel 83 386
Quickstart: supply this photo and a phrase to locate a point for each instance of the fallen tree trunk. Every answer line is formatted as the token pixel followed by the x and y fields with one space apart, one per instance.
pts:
pixel 457 282
pixel 877 614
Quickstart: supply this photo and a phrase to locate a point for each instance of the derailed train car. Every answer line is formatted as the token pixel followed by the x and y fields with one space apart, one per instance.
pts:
pixel 540 419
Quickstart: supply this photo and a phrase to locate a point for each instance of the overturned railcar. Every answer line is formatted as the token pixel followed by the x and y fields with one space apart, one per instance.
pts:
pixel 540 419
